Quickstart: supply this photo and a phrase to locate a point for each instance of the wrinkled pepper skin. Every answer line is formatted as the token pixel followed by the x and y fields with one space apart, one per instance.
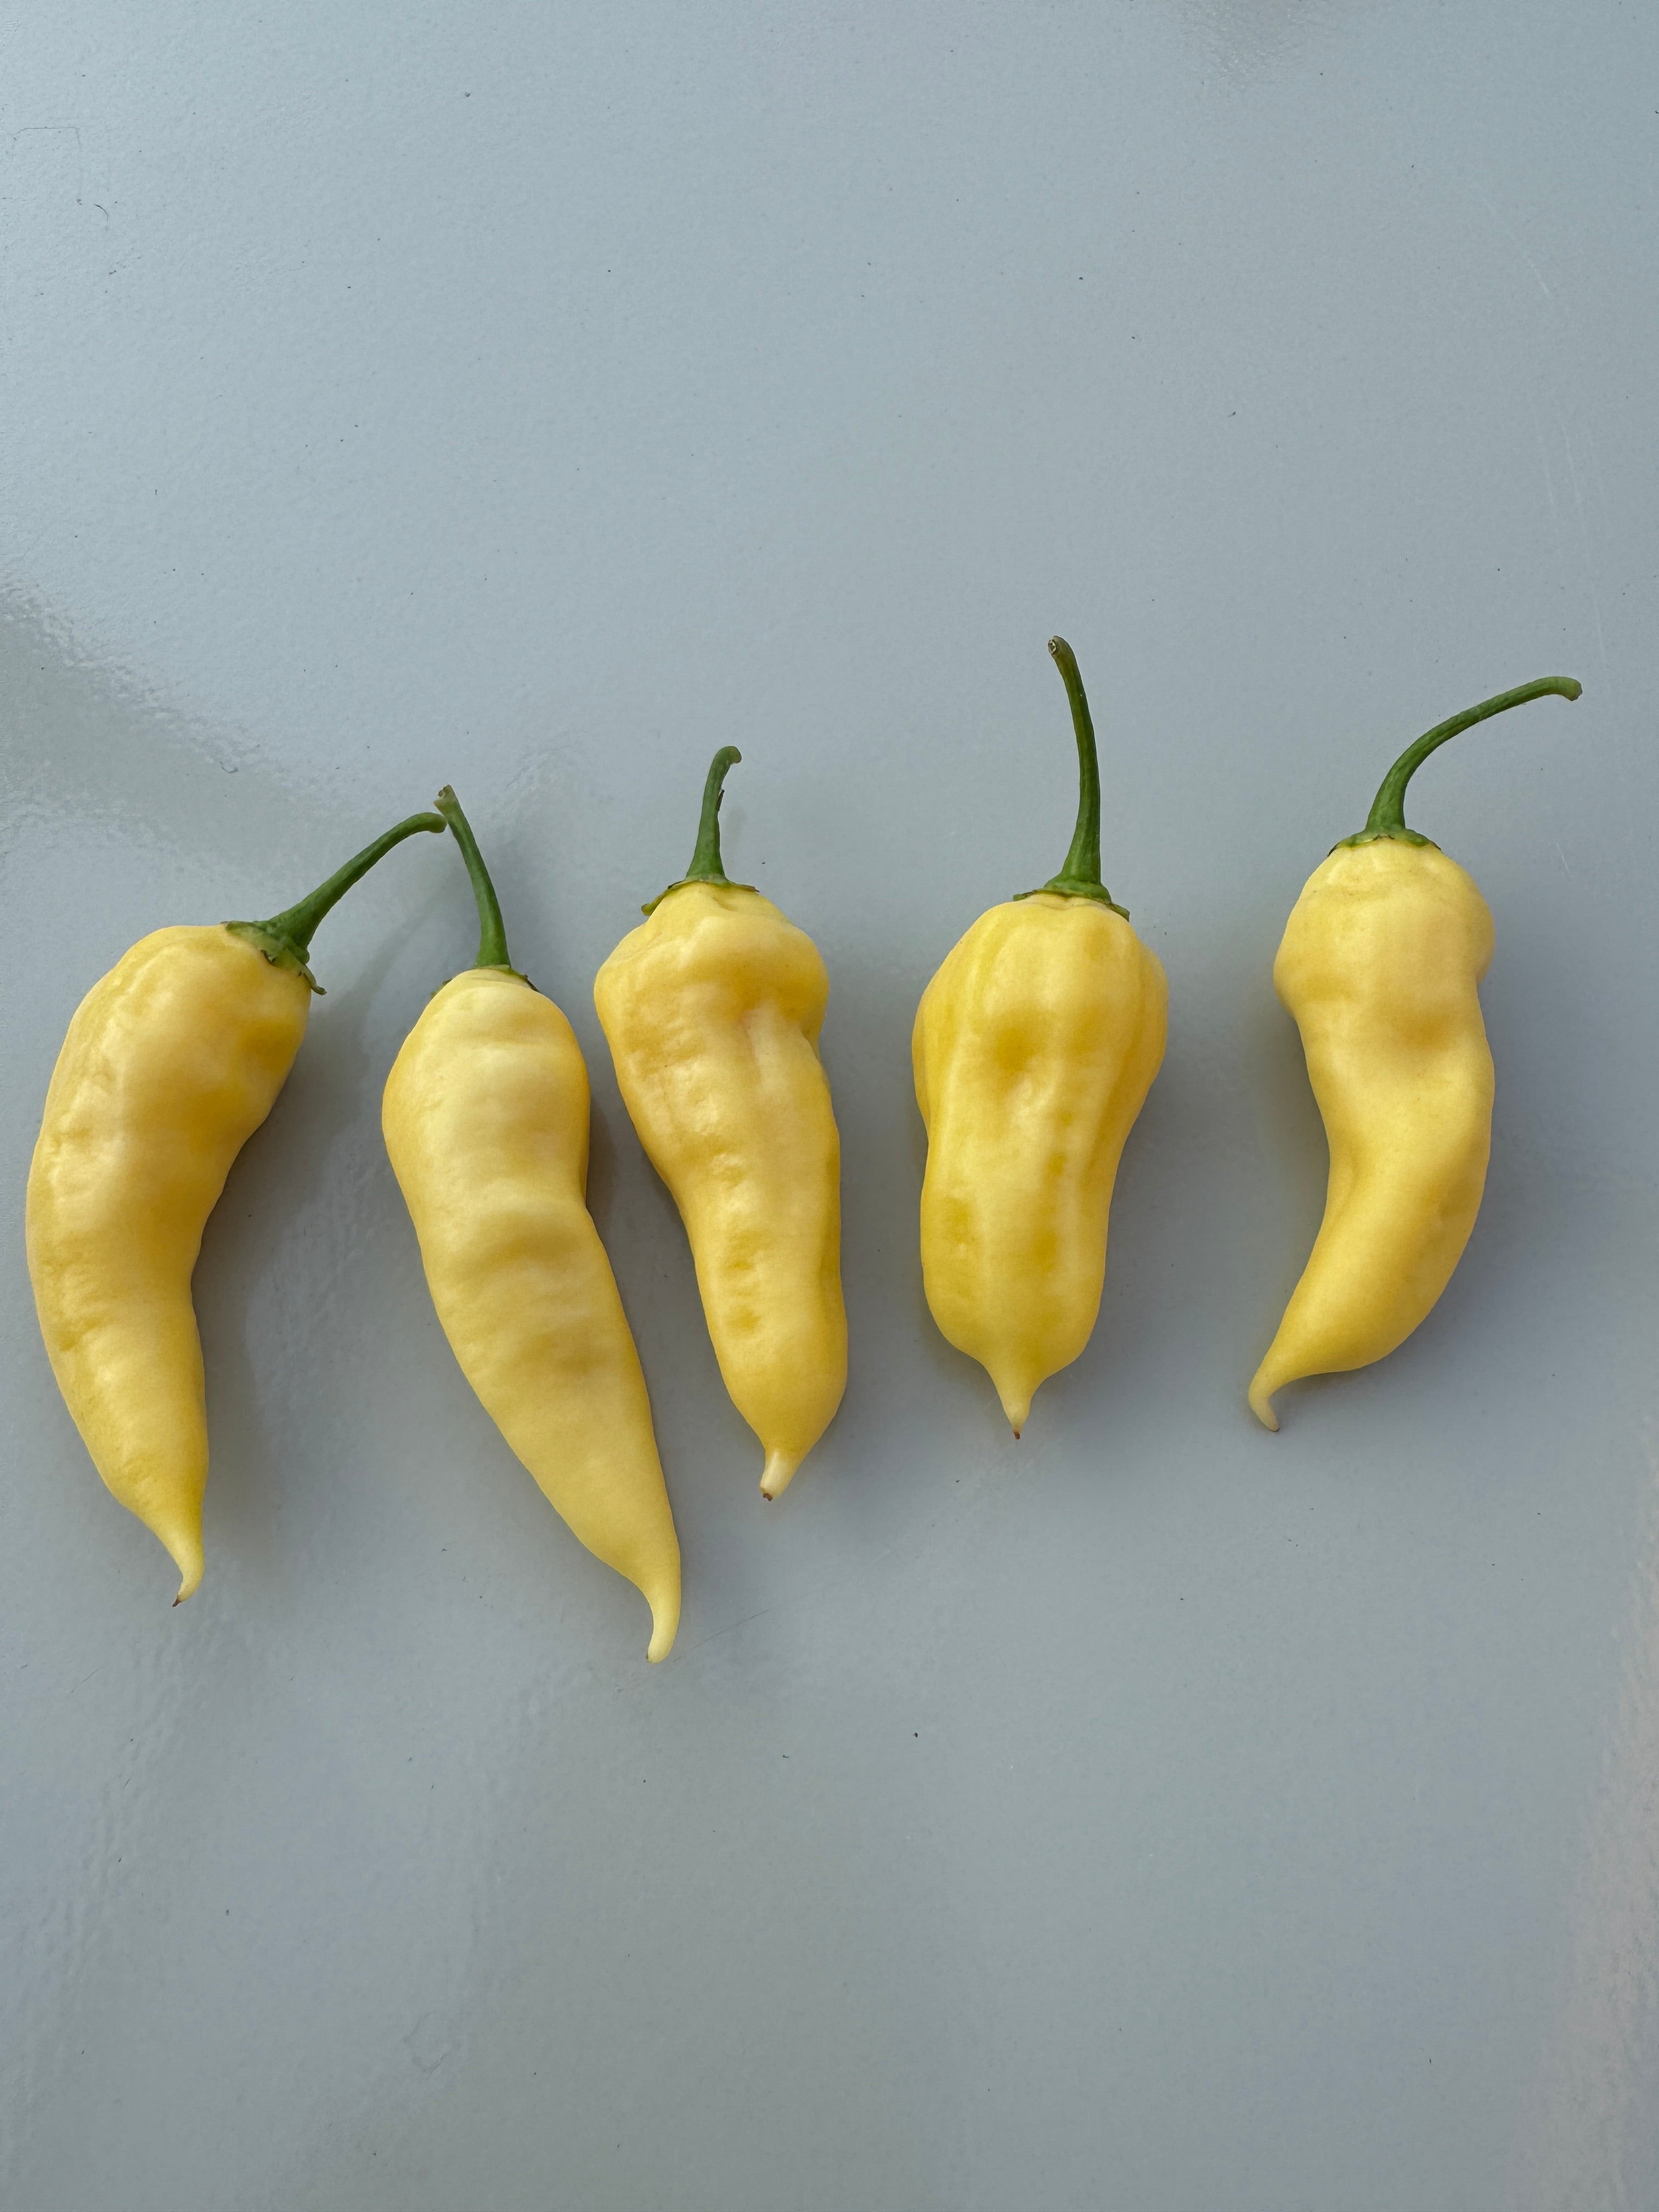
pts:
pixel 486 1120
pixel 1380 965
pixel 171 1063
pixel 713 1009
pixel 1033 1048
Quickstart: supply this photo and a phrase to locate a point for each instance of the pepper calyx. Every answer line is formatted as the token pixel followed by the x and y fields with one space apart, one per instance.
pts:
pixel 707 866
pixel 281 950
pixel 1079 875
pixel 1069 887
pixel 1388 816
pixel 492 930
pixel 285 938
pixel 714 883
pixel 1400 836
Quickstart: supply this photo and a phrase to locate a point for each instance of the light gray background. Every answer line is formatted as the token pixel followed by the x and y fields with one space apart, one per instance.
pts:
pixel 1156 1814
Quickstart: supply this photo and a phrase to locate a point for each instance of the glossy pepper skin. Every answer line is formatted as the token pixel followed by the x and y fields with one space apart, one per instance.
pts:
pixel 171 1063
pixel 486 1122
pixel 1380 964
pixel 712 1010
pixel 1033 1048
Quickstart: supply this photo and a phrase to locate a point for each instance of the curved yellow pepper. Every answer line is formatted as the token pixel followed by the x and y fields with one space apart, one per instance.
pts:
pixel 486 1122
pixel 1033 1048
pixel 171 1063
pixel 712 1008
pixel 1379 964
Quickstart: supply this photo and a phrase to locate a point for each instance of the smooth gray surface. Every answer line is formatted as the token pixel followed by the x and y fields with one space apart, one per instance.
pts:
pixel 1156 1814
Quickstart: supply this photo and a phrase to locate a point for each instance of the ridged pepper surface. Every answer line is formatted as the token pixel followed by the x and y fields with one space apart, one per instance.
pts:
pixel 1380 965
pixel 171 1063
pixel 713 1009
pixel 486 1122
pixel 1033 1047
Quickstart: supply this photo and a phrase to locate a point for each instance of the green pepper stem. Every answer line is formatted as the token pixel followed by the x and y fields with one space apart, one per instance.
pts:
pixel 285 938
pixel 707 866
pixel 1080 876
pixel 1388 816
pixel 492 931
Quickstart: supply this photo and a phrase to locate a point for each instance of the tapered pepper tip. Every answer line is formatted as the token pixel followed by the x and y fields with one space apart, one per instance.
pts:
pixel 1016 1406
pixel 780 1473
pixel 185 1552
pixel 1261 1405
pixel 665 1622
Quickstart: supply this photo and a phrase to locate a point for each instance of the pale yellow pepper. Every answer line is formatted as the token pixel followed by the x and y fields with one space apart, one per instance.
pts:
pixel 1380 964
pixel 712 1010
pixel 171 1063
pixel 486 1122
pixel 1033 1048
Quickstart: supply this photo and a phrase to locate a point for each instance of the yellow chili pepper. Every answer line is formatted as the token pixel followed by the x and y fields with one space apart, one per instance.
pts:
pixel 486 1122
pixel 712 1010
pixel 171 1063
pixel 1033 1048
pixel 1379 964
